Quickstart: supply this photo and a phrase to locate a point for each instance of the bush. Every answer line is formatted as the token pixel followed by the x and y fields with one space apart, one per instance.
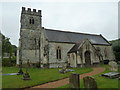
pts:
pixel 9 62
pixel 117 56
pixel 116 50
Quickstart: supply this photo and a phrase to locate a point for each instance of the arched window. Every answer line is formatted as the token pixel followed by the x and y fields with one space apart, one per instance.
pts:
pixel 31 20
pixel 105 52
pixel 58 53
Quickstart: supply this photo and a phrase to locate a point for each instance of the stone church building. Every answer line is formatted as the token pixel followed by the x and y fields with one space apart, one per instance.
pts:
pixel 55 48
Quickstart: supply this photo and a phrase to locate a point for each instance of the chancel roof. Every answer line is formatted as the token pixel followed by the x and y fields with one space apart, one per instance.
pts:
pixel 73 37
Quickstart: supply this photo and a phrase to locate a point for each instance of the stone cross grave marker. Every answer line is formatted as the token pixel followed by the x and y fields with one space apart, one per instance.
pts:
pixel 90 83
pixel 113 66
pixel 74 81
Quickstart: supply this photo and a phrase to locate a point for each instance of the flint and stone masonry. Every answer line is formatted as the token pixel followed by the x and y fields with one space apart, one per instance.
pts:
pixel 55 48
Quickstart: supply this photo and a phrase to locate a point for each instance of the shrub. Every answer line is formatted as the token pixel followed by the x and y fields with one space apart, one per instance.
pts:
pixel 117 56
pixel 9 62
pixel 116 50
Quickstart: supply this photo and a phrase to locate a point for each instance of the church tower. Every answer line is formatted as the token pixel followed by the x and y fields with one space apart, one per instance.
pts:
pixel 30 19
pixel 30 36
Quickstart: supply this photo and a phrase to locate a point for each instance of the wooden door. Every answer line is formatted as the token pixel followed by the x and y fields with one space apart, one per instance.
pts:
pixel 87 58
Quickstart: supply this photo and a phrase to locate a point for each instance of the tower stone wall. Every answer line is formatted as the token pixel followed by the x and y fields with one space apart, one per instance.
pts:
pixel 28 16
pixel 32 40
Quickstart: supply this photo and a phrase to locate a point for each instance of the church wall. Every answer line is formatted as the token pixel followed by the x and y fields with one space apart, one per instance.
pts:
pixel 53 61
pixel 31 34
pixel 73 60
pixel 77 61
pixel 32 55
pixel 30 46
pixel 88 47
pixel 106 52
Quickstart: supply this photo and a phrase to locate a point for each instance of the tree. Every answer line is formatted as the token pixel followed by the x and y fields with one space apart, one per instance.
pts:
pixel 7 47
pixel 116 48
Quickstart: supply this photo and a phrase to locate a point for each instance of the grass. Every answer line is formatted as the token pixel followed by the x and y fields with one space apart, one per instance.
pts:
pixel 102 82
pixel 38 76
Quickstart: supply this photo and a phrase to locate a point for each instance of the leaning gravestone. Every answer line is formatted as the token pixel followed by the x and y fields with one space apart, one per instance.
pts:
pixel 74 81
pixel 90 83
pixel 113 66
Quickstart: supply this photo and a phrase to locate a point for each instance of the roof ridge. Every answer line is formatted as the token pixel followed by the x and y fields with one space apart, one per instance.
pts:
pixel 71 32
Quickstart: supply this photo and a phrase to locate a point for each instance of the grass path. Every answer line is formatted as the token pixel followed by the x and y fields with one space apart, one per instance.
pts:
pixel 62 82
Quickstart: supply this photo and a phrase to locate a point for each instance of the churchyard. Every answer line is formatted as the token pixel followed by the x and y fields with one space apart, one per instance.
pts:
pixel 102 82
pixel 38 76
pixel 41 76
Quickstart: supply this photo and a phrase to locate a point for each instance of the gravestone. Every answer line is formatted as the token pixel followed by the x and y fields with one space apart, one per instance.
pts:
pixel 90 83
pixel 74 81
pixel 63 70
pixel 26 75
pixel 112 75
pixel 113 66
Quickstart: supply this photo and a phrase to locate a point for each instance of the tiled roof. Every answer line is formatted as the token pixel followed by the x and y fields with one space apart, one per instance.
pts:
pixel 73 37
pixel 76 46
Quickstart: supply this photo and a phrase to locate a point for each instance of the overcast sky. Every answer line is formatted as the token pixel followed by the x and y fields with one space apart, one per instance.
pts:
pixel 84 17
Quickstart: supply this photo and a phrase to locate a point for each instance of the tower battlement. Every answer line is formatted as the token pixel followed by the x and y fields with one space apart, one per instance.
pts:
pixel 31 12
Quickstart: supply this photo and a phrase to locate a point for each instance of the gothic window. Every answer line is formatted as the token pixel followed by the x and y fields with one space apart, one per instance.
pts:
pixel 105 52
pixel 58 53
pixel 30 21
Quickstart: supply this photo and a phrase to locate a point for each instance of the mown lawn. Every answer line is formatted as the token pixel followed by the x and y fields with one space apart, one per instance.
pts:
pixel 102 82
pixel 38 76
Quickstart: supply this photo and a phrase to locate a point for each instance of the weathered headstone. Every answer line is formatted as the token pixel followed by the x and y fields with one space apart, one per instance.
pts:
pixel 113 66
pixel 28 63
pixel 90 83
pixel 74 81
pixel 63 70
pixel 26 75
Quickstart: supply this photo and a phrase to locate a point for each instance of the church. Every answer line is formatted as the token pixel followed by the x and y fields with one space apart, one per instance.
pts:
pixel 50 48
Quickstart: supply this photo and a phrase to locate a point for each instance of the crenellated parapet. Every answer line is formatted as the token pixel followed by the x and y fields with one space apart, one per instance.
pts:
pixel 31 12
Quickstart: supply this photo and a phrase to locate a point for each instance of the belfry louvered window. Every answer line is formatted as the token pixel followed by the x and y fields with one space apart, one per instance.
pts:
pixel 31 20
pixel 58 53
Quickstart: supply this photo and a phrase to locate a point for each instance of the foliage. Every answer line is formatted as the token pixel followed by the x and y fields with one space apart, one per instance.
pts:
pixel 115 42
pixel 116 48
pixel 117 56
pixel 38 76
pixel 7 47
pixel 8 62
